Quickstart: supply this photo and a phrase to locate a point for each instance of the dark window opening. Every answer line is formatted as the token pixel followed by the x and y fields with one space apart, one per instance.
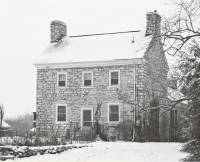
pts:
pixel 87 82
pixel 114 113
pixel 115 78
pixel 34 116
pixel 61 113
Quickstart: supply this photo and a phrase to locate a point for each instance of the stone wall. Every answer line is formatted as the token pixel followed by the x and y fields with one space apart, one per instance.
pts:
pixel 77 97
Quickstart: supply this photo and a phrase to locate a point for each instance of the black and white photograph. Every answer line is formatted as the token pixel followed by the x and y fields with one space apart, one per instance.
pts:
pixel 100 81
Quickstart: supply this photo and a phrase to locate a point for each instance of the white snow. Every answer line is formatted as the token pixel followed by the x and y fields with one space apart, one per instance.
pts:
pixel 5 125
pixel 115 152
pixel 96 48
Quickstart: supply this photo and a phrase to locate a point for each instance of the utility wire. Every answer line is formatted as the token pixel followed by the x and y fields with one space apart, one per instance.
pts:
pixel 87 35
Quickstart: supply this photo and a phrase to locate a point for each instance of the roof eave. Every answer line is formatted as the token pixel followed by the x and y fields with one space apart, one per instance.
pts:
pixel 89 63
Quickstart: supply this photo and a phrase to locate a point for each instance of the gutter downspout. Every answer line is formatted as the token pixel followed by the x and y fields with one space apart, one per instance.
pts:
pixel 134 106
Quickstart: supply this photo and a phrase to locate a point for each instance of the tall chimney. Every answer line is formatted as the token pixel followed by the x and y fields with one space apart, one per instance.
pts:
pixel 153 20
pixel 58 31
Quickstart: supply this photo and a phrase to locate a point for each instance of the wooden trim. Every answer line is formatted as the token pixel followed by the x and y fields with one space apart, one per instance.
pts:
pixel 89 63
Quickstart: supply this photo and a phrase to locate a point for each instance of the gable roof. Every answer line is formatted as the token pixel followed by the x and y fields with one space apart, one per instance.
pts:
pixel 95 48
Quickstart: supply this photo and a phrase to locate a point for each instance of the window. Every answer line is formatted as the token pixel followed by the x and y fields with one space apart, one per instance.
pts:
pixel 61 113
pixel 62 78
pixel 114 78
pixel 34 116
pixel 87 79
pixel 34 119
pixel 114 112
pixel 86 117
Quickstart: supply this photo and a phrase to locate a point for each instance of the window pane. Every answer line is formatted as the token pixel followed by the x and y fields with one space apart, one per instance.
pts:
pixel 61 83
pixel 114 81
pixel 86 115
pixel 87 124
pixel 87 76
pixel 62 77
pixel 61 117
pixel 114 117
pixel 61 113
pixel 61 109
pixel 114 109
pixel 87 83
pixel 114 75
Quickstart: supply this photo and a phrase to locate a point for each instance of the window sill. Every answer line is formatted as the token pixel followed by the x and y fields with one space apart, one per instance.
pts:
pixel 61 122
pixel 61 87
pixel 86 127
pixel 114 86
pixel 113 123
pixel 87 87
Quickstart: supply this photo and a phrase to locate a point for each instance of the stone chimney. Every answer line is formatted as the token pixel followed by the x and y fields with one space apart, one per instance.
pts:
pixel 153 20
pixel 58 31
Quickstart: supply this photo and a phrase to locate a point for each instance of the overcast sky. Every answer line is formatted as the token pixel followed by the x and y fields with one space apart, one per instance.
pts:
pixel 25 30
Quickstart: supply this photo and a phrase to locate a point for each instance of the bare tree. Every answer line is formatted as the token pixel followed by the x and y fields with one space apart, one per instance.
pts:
pixel 21 124
pixel 181 31
pixel 1 116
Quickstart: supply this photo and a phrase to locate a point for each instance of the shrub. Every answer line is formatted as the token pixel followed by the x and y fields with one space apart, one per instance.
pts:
pixel 125 130
pixel 192 147
pixel 103 134
pixel 87 134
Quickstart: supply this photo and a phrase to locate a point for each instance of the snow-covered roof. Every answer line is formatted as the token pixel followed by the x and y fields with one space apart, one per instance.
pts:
pixel 5 125
pixel 175 94
pixel 96 48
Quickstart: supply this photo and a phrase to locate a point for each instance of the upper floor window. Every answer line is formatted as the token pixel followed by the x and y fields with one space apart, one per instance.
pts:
pixel 113 112
pixel 87 79
pixel 62 79
pixel 61 113
pixel 114 78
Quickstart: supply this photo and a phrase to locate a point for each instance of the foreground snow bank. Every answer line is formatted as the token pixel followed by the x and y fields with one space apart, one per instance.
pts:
pixel 116 152
pixel 12 152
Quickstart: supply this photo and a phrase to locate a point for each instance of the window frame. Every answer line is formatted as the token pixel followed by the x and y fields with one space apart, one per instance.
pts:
pixel 110 104
pixel 85 72
pixel 60 73
pixel 92 116
pixel 57 113
pixel 110 78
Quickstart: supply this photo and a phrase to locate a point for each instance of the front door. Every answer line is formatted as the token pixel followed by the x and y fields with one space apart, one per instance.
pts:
pixel 86 117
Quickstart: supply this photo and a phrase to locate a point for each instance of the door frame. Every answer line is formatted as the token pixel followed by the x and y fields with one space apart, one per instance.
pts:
pixel 82 109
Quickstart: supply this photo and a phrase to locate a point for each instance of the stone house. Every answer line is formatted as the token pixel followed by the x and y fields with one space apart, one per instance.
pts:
pixel 124 71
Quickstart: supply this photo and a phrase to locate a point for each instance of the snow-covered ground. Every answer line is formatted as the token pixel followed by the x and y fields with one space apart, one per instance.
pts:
pixel 115 152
